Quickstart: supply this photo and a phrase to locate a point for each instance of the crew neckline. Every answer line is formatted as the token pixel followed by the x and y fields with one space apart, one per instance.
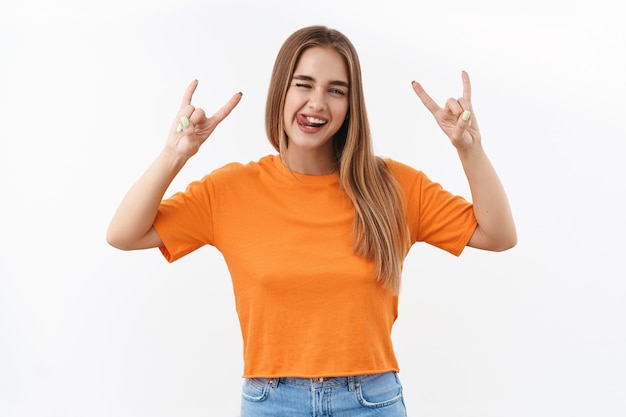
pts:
pixel 284 171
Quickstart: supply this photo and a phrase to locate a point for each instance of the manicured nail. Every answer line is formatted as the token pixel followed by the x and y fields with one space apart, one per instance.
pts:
pixel 185 121
pixel 179 128
pixel 466 115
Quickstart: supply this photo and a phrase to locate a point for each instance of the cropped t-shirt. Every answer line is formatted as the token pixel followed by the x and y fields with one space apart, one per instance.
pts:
pixel 307 305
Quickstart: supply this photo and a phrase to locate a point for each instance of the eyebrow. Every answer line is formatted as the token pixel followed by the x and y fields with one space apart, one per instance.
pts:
pixel 309 78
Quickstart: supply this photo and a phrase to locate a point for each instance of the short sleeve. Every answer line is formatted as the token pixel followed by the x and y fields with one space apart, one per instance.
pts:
pixel 184 221
pixel 434 215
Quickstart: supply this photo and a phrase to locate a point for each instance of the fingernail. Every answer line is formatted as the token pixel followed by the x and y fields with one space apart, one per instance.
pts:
pixel 179 128
pixel 185 121
pixel 240 93
pixel 466 115
pixel 413 82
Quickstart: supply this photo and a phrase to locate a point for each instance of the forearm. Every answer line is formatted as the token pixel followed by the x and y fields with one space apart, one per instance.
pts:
pixel 496 228
pixel 132 222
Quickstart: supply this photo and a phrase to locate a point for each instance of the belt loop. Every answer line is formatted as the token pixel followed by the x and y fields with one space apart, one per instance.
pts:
pixel 274 382
pixel 351 383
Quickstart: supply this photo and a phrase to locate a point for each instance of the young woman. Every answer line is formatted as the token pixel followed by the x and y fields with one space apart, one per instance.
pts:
pixel 315 236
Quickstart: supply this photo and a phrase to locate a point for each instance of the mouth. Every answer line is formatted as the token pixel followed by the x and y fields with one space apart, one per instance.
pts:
pixel 310 122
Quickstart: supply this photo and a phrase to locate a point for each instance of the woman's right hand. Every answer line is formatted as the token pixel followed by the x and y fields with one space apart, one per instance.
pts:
pixel 132 224
pixel 191 127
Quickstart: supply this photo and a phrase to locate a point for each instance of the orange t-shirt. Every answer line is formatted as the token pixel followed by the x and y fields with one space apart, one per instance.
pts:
pixel 307 305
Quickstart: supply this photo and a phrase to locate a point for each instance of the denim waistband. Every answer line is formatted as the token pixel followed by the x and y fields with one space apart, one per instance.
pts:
pixel 346 381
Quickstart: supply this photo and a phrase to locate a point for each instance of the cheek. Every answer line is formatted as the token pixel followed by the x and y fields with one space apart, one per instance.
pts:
pixel 342 112
pixel 290 106
pixel 285 124
pixel 286 111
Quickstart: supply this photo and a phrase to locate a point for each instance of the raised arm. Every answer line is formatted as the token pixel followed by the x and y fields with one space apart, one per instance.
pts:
pixel 496 228
pixel 131 226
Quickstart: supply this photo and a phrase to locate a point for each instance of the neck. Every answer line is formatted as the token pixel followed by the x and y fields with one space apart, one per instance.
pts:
pixel 313 165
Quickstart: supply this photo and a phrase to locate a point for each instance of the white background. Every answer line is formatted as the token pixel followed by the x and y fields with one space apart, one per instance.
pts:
pixel 88 91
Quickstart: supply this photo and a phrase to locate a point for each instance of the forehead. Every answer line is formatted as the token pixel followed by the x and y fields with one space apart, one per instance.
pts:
pixel 323 64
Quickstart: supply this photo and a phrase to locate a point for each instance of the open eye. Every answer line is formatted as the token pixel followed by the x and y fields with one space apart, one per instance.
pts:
pixel 337 92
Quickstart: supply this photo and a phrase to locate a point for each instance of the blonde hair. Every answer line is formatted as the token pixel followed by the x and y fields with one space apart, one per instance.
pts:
pixel 380 231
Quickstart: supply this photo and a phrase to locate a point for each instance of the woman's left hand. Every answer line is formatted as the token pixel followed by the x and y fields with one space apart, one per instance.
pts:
pixel 456 118
pixel 496 229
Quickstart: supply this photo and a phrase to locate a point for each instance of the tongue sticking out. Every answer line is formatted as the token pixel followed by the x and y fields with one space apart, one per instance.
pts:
pixel 307 122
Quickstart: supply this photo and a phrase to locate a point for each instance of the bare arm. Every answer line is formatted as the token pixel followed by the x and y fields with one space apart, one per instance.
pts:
pixel 496 228
pixel 131 226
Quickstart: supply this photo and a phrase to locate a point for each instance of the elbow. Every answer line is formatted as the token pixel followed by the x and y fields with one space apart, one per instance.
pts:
pixel 112 240
pixel 508 242
pixel 116 240
pixel 513 242
pixel 495 242
pixel 504 246
pixel 127 240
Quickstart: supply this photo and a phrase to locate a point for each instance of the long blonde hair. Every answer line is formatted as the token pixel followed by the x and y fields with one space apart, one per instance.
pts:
pixel 380 231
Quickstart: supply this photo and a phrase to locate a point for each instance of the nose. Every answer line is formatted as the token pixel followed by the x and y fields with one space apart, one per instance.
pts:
pixel 317 99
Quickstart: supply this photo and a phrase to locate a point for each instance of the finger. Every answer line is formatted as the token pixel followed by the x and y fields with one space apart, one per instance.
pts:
pixel 453 107
pixel 465 119
pixel 462 124
pixel 184 123
pixel 467 87
pixel 426 100
pixel 197 117
pixel 185 111
pixel 226 108
pixel 465 105
pixel 189 93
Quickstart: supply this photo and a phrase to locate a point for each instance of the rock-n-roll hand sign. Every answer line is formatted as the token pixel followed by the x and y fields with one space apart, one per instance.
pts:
pixel 191 126
pixel 456 118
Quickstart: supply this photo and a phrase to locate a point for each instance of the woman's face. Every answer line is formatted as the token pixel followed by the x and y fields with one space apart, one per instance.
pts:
pixel 316 104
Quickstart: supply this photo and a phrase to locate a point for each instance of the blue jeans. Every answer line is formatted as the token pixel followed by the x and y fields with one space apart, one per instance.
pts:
pixel 365 395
